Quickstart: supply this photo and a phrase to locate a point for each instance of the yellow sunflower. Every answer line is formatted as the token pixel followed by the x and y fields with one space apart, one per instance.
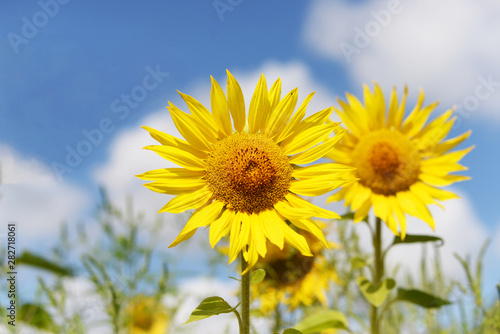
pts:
pixel 293 279
pixel 244 182
pixel 401 163
pixel 144 315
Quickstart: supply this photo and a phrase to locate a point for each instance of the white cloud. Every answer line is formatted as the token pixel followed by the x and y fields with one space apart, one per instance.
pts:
pixel 446 47
pixel 34 199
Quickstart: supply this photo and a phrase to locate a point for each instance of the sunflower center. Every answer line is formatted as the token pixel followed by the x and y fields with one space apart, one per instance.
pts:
pixel 248 172
pixel 290 270
pixel 142 317
pixel 386 162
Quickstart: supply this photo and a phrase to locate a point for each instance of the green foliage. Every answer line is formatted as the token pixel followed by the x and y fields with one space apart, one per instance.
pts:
pixel 322 320
pixel 377 293
pixel 417 238
pixel 33 260
pixel 420 298
pixel 292 331
pixel 36 316
pixel 209 307
pixel 257 276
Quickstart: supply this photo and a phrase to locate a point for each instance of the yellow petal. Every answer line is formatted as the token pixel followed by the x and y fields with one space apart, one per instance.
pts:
pixel 396 209
pixel 362 212
pixel 169 140
pixel 442 181
pixel 220 109
pixel 309 138
pixel 289 212
pixel 297 241
pixel 415 207
pixel 381 208
pixel 201 217
pixel 393 108
pixel 317 118
pixel 310 226
pixel 326 169
pixel 178 156
pixel 275 94
pixel 451 143
pixel 240 232
pixel 439 194
pixel 191 129
pixel 272 227
pixel 257 235
pixel 294 122
pixel 398 119
pixel 317 211
pixel 281 114
pixel 259 106
pixel 316 152
pixel 176 187
pixel 187 201
pixel 236 102
pixel 316 186
pixel 165 174
pixel 221 227
pixel 199 111
pixel 375 107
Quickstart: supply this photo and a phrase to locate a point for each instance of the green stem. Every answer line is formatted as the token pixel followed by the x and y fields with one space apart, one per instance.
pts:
pixel 245 297
pixel 277 319
pixel 379 272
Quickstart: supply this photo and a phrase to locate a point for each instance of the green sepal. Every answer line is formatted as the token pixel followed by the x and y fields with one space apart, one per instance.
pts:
pixel 328 319
pixel 420 298
pixel 376 294
pixel 209 307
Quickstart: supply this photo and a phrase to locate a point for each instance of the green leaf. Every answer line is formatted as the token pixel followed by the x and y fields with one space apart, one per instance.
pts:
pixel 292 331
pixel 417 238
pixel 209 307
pixel 358 262
pixel 257 276
pixel 320 321
pixel 36 316
pixel 420 298
pixel 30 259
pixel 376 294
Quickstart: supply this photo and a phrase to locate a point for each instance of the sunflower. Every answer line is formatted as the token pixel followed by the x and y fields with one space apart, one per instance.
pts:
pixel 401 163
pixel 244 182
pixel 144 315
pixel 293 279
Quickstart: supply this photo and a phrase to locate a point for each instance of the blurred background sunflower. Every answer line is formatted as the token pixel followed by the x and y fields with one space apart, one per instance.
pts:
pixel 146 315
pixel 294 280
pixel 401 163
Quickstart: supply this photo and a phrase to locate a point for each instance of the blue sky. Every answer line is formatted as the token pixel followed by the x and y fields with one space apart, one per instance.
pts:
pixel 66 67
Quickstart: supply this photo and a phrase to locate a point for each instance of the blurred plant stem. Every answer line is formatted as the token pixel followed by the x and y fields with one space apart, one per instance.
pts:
pixel 277 318
pixel 378 273
pixel 245 297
